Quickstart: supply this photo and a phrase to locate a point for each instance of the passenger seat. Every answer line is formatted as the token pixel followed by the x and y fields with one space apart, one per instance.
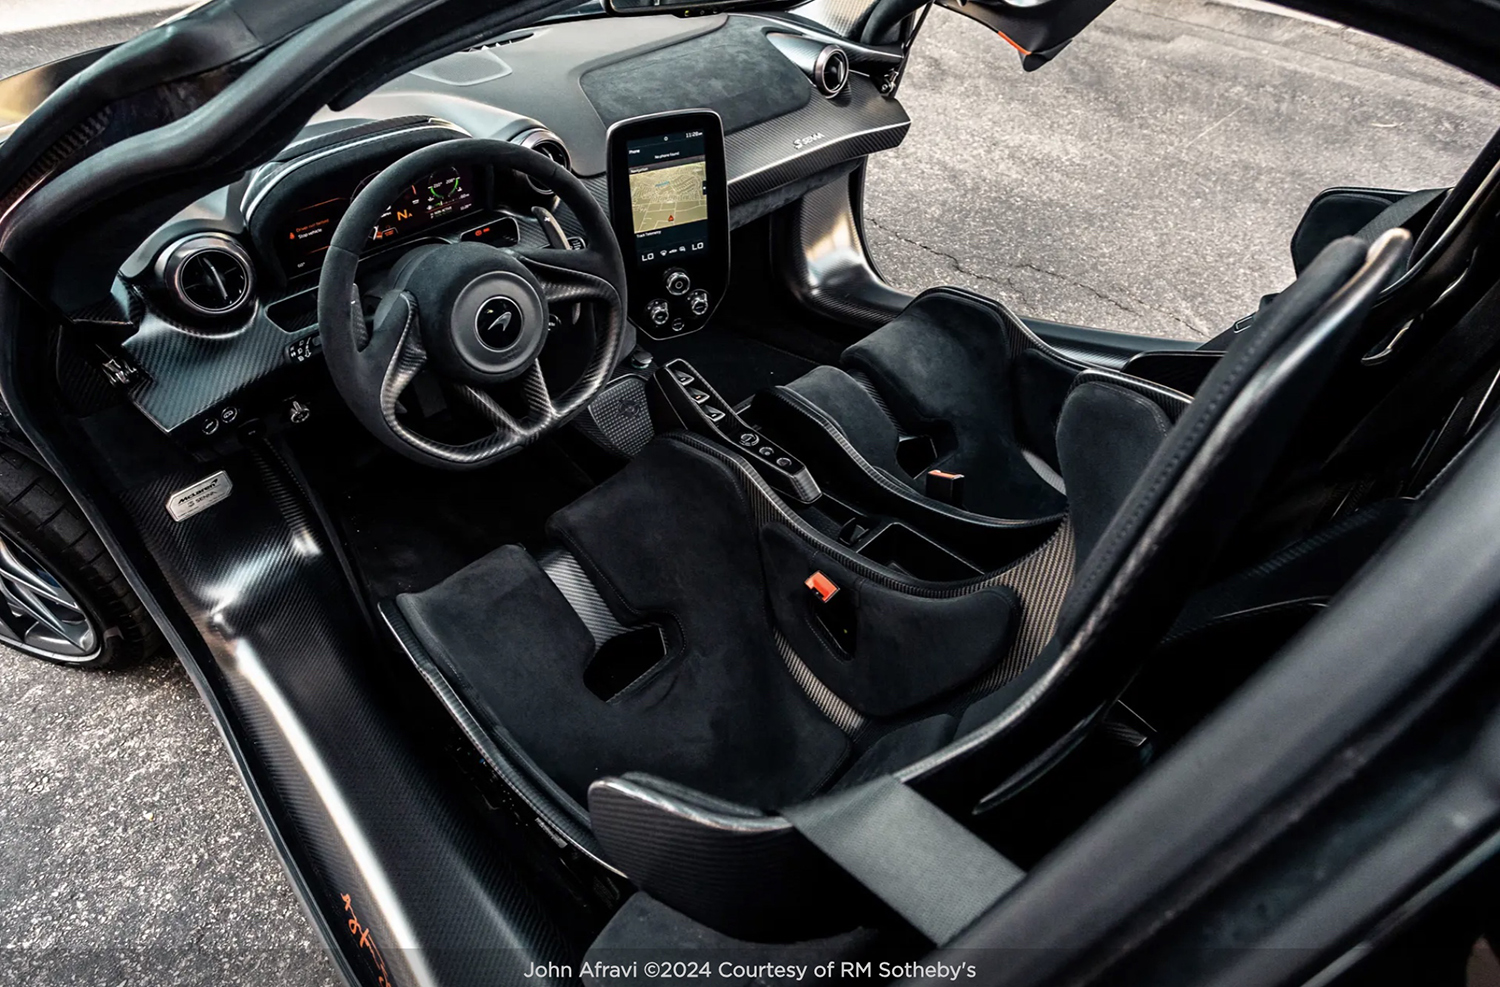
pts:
pixel 953 405
pixel 954 400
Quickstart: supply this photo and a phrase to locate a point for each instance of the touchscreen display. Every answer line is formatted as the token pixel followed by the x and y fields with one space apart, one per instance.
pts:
pixel 445 193
pixel 668 194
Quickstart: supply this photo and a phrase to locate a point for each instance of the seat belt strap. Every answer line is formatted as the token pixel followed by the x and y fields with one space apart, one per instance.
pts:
pixel 910 854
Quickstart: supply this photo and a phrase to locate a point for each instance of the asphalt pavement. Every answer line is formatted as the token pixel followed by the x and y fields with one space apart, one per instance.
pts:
pixel 33 32
pixel 1148 180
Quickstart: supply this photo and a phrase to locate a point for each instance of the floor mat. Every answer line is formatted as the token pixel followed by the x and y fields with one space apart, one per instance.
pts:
pixel 669 541
pixel 408 527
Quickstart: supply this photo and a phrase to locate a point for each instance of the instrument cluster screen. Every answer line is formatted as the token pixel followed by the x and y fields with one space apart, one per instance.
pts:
pixel 445 193
pixel 668 195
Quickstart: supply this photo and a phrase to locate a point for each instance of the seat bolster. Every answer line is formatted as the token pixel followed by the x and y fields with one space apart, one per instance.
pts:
pixel 854 413
pixel 1110 427
pixel 903 649
pixel 1172 402
pixel 741 871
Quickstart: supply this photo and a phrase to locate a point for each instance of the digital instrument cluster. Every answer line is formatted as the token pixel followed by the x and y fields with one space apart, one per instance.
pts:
pixel 304 236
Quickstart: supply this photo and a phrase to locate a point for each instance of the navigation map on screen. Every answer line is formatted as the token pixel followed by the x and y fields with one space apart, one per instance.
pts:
pixel 668 196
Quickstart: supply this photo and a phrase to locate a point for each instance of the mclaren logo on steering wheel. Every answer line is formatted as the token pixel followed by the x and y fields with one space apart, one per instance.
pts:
pixel 498 322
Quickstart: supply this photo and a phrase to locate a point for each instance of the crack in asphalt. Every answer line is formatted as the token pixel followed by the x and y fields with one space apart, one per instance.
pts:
pixel 1143 307
pixel 958 265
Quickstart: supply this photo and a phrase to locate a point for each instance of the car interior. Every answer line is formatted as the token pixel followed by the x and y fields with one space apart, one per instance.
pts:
pixel 743 595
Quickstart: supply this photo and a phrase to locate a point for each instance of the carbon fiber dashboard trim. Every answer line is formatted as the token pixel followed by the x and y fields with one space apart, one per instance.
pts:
pixel 190 373
pixel 272 175
pixel 824 133
pixel 837 15
pixel 825 262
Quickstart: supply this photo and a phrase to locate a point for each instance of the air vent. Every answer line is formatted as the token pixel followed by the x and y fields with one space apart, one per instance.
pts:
pixel 208 274
pixel 831 71
pixel 504 39
pixel 214 281
pixel 548 144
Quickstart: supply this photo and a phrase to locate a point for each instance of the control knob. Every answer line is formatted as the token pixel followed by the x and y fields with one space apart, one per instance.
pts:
pixel 658 312
pixel 698 301
pixel 677 282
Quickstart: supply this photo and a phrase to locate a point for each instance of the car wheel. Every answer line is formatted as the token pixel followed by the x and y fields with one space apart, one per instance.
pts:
pixel 62 598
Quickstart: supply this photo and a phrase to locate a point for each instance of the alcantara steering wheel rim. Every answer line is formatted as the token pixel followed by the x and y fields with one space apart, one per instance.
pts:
pixel 474 314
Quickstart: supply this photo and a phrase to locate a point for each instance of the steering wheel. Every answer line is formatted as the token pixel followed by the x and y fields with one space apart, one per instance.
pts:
pixel 476 314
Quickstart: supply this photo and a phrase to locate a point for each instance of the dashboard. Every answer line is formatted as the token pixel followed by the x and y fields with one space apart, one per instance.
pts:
pixel 223 296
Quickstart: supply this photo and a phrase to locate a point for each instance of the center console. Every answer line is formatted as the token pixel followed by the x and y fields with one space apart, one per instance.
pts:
pixel 699 408
pixel 907 535
pixel 669 206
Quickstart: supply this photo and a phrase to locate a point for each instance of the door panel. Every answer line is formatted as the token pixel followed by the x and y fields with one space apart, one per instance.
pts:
pixel 1037 29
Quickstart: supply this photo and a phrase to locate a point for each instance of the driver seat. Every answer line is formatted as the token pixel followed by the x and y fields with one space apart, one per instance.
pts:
pixel 710 777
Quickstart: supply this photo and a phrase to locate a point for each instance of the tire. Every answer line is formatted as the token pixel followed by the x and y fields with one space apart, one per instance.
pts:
pixel 45 539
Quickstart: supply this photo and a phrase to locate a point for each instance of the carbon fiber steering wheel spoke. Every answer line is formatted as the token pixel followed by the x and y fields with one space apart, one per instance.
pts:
pixel 570 275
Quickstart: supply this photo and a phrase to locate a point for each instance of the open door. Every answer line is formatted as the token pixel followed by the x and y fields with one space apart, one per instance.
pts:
pixel 1037 29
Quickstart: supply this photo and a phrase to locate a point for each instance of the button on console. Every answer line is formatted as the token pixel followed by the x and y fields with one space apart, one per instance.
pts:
pixel 658 311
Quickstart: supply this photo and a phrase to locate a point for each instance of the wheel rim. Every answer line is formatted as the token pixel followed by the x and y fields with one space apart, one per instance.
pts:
pixel 38 615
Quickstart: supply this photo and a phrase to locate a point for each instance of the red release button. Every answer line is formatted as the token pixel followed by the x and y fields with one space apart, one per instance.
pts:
pixel 822 585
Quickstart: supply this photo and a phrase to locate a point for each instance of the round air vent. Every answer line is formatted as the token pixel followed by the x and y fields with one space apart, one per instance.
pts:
pixel 831 71
pixel 548 144
pixel 208 274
